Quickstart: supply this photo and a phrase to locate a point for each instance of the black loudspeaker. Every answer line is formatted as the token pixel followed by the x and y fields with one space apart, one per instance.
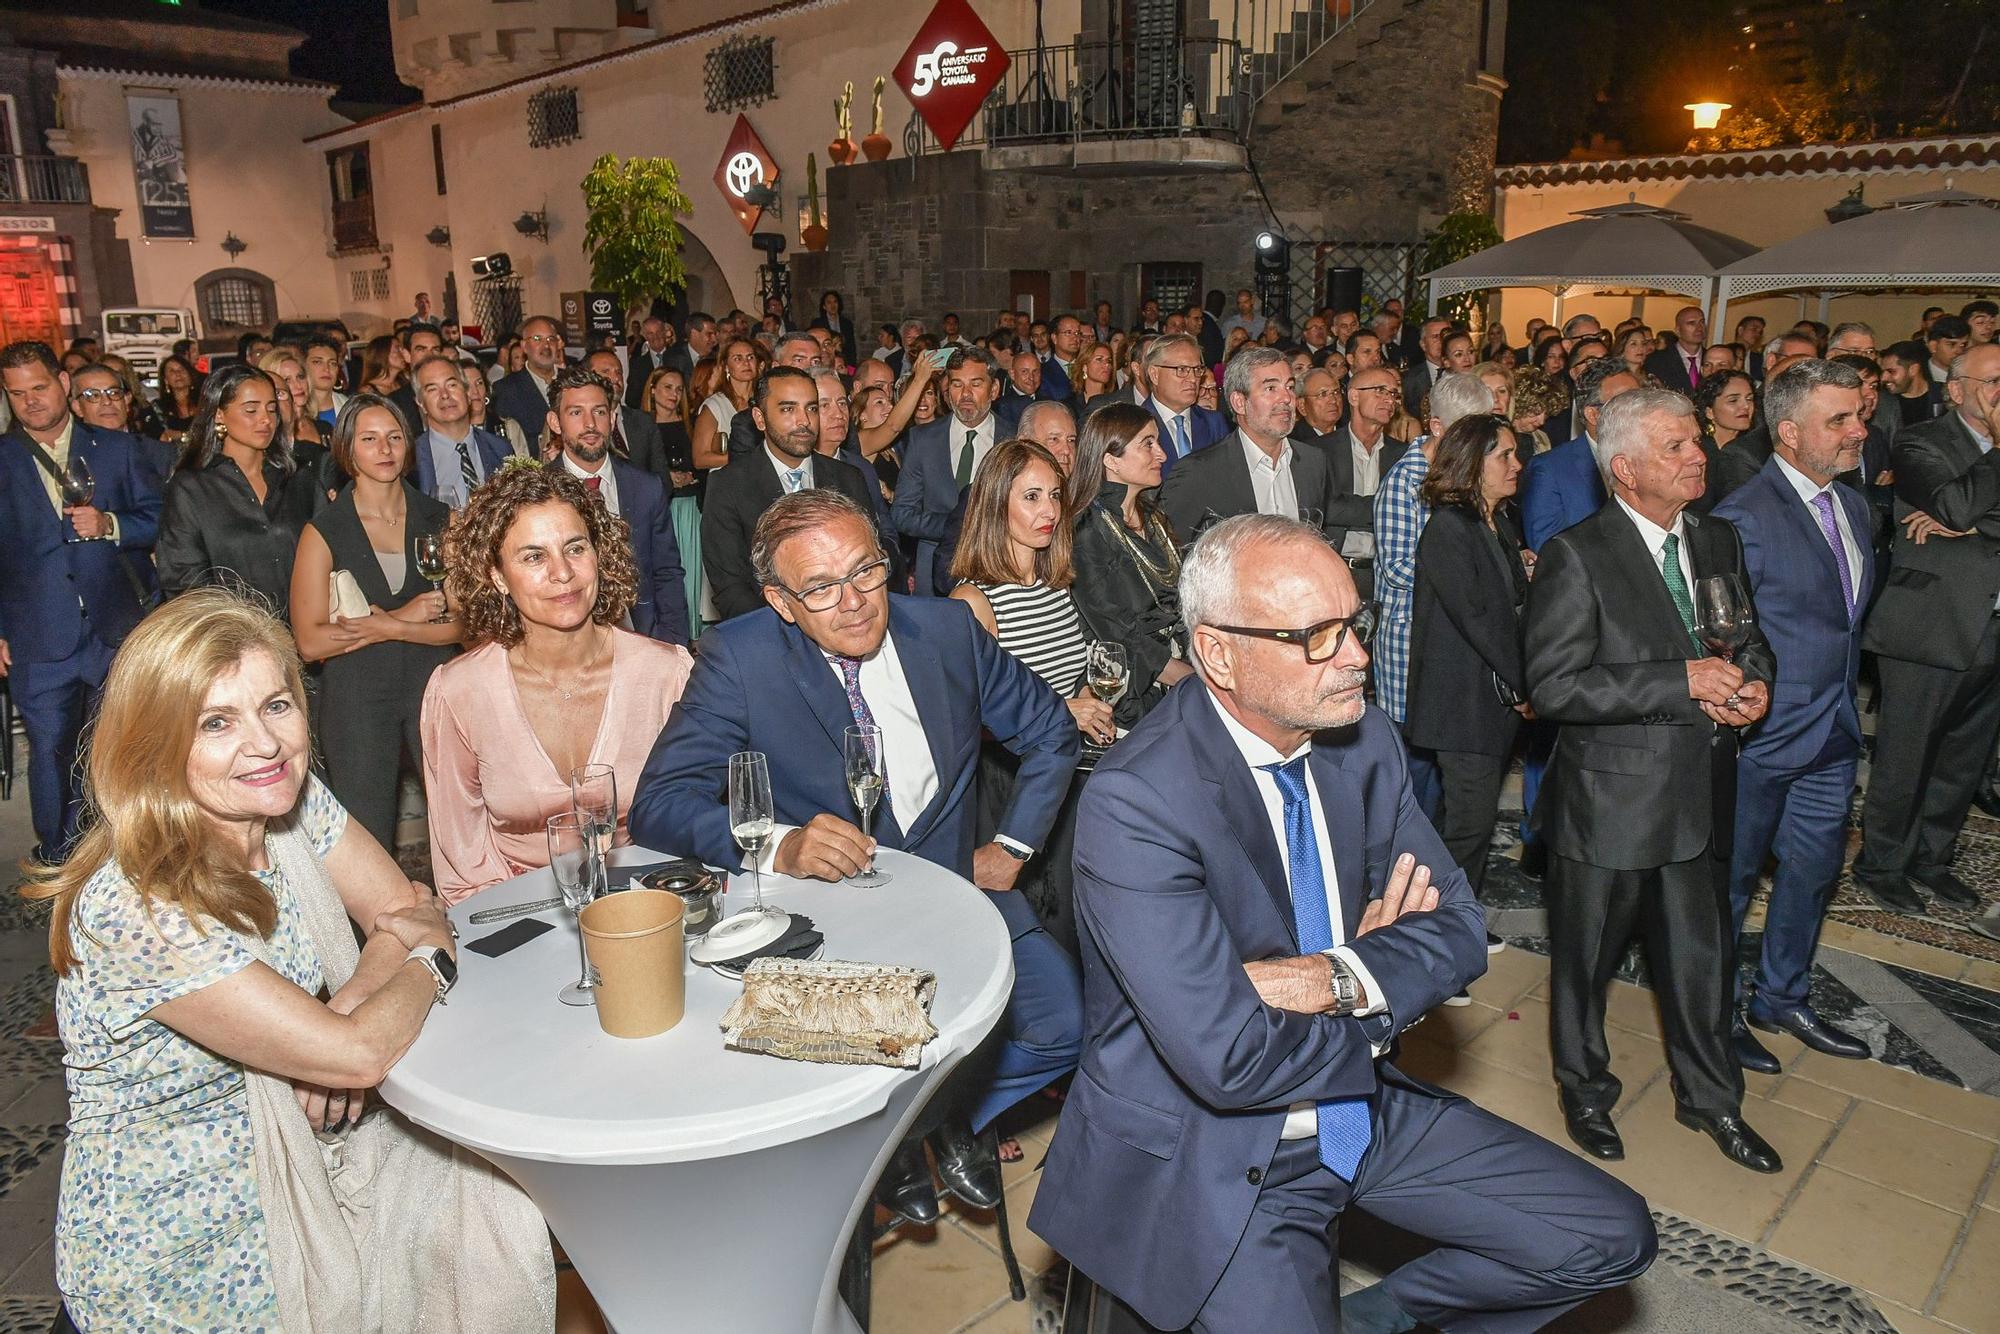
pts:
pixel 1343 290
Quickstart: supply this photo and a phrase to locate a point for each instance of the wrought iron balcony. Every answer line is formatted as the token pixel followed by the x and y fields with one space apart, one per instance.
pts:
pixel 38 178
pixel 354 224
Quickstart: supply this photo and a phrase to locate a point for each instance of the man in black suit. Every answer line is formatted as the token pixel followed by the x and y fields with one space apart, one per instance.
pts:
pixel 1638 806
pixel 656 352
pixel 1024 383
pixel 698 341
pixel 799 350
pixel 635 436
pixel 1679 367
pixel 1935 633
pixel 523 396
pixel 1256 470
pixel 786 410
pixel 1428 368
pixel 419 341
pixel 1319 407
pixel 1359 453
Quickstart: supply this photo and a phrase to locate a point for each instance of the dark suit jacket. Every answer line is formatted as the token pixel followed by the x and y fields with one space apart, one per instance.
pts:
pixel 518 396
pixel 761 685
pixel 1205 427
pixel 1559 487
pixel 927 490
pixel 661 611
pixel 1349 511
pixel 1215 485
pixel 1186 1074
pixel 1736 463
pixel 1417 382
pixel 642 441
pixel 56 592
pixel 639 368
pixel 493 451
pixel 1940 596
pixel 1796 587
pixel 737 497
pixel 1128 394
pixel 1641 777
pixel 1055 382
pixel 1670 369
pixel 845 333
pixel 1465 629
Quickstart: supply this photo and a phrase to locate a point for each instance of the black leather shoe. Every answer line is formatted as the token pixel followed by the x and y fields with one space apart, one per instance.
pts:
pixel 1893 896
pixel 1948 887
pixel 1987 799
pixel 1534 861
pixel 1803 1023
pixel 1593 1132
pixel 968 1164
pixel 905 1188
pixel 1739 1143
pixel 1750 1053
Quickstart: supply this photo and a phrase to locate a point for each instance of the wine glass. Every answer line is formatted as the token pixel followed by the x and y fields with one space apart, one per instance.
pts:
pixel 594 795
pixel 430 561
pixel 1723 616
pixel 1106 671
pixel 867 780
pixel 752 822
pixel 78 486
pixel 569 861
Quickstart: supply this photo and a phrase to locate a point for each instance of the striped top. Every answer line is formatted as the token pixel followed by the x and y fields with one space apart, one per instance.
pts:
pixel 1039 625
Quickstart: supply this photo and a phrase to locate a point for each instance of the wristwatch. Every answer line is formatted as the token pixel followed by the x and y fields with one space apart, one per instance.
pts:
pixel 1012 851
pixel 1346 989
pixel 441 966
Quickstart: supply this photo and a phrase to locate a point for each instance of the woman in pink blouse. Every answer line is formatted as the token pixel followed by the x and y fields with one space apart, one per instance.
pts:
pixel 541 575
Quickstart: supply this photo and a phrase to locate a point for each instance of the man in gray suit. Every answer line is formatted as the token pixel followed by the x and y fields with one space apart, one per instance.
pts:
pixel 1257 469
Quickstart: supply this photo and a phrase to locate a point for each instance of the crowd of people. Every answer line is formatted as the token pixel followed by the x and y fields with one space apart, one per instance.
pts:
pixel 1649 567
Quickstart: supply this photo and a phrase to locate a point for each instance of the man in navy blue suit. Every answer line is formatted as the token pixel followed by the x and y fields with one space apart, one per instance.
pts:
pixel 1806 547
pixel 582 406
pixel 1562 487
pixel 832 649
pixel 943 455
pixel 1174 369
pixel 70 589
pixel 1250 955
pixel 523 395
pixel 1065 341
pixel 453 456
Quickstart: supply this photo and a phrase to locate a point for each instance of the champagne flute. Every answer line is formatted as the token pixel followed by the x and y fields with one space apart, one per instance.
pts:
pixel 78 486
pixel 867 780
pixel 569 861
pixel 1723 616
pixel 594 795
pixel 752 823
pixel 430 561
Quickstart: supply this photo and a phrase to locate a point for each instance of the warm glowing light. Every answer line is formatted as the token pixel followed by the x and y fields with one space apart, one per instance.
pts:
pixel 1707 114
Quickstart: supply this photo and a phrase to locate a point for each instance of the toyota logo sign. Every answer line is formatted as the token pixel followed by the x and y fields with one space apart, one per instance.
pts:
pixel 950 67
pixel 745 164
pixel 743 171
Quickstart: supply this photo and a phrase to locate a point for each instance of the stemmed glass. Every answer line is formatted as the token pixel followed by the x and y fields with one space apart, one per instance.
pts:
pixel 78 486
pixel 1723 616
pixel 1106 672
pixel 867 779
pixel 752 822
pixel 430 561
pixel 569 861
pixel 593 792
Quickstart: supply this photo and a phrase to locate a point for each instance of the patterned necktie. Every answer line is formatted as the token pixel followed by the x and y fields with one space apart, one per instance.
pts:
pixel 857 704
pixel 466 472
pixel 1823 506
pixel 963 476
pixel 1181 446
pixel 1345 1125
pixel 1677 585
pixel 795 481
pixel 596 485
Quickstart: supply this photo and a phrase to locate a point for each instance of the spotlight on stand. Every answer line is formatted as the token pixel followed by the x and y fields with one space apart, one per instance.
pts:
pixel 774 276
pixel 1273 268
pixel 495 265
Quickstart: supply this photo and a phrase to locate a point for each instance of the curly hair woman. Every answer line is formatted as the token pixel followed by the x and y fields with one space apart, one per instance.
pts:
pixel 541 576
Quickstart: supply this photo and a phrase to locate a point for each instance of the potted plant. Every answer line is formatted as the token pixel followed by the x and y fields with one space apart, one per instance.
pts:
pixel 842 150
pixel 814 234
pixel 876 145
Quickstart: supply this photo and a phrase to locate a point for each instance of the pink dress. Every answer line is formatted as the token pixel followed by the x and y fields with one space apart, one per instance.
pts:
pixel 489 784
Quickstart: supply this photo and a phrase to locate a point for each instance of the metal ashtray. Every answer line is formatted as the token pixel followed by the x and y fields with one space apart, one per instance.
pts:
pixel 700 890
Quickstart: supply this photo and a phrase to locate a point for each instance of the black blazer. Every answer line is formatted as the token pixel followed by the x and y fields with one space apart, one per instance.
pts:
pixel 643 448
pixel 737 497
pixel 1465 630
pixel 1668 368
pixel 1736 463
pixel 1214 483
pixel 1119 602
pixel 213 531
pixel 1641 777
pixel 1939 596
pixel 845 333
pixel 1349 511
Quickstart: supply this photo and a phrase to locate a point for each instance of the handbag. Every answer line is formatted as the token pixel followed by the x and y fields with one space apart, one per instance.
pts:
pixel 344 597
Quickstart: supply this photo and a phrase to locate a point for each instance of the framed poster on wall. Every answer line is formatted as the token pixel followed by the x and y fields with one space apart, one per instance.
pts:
pixel 159 166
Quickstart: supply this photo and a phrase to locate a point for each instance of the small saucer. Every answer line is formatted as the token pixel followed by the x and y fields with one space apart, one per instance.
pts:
pixel 735 974
pixel 734 937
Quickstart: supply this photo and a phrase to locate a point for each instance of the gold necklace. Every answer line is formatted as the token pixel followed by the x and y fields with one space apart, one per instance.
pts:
pixel 555 685
pixel 1165 575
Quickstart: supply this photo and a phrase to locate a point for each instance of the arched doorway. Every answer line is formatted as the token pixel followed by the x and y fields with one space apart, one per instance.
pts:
pixel 233 301
pixel 707 289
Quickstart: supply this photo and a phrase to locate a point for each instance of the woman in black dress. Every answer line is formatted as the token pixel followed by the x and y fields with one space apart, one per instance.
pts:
pixel 371 690
pixel 666 400
pixel 231 515
pixel 180 398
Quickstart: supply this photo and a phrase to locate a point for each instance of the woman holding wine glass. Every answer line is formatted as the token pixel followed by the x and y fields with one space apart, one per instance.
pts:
pixel 375 665
pixel 541 576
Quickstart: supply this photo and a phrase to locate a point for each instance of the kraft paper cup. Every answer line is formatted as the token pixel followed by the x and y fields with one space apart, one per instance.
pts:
pixel 634 942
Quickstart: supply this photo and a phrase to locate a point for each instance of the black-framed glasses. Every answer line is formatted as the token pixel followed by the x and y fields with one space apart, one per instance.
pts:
pixel 1321 641
pixel 110 395
pixel 1179 370
pixel 826 596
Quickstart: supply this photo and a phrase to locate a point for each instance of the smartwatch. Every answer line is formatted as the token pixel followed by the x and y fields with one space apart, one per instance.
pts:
pixel 441 966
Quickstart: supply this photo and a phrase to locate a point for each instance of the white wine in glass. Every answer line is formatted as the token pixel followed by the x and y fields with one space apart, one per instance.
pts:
pixel 1106 672
pixel 430 561
pixel 752 823
pixel 867 780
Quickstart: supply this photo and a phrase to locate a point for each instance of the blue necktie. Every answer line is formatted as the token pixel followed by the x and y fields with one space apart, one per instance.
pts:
pixel 1181 447
pixel 1345 1124
pixel 795 481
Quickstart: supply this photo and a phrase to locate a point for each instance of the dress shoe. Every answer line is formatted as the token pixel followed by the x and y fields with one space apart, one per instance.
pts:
pixel 1593 1132
pixel 968 1164
pixel 1458 1000
pixel 1893 895
pixel 1371 1310
pixel 1987 799
pixel 1534 861
pixel 905 1188
pixel 1494 944
pixel 1739 1143
pixel 1751 1054
pixel 1948 887
pixel 1803 1023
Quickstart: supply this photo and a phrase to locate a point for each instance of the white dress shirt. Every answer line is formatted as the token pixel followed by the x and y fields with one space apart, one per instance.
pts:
pixel 448 477
pixel 1271 479
pixel 1807 489
pixel 607 490
pixel 983 440
pixel 1655 538
pixel 1367 463
pixel 1302 1118
pixel 785 467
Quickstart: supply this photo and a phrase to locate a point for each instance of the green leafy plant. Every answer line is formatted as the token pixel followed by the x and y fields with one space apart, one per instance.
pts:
pixel 1458 236
pixel 632 234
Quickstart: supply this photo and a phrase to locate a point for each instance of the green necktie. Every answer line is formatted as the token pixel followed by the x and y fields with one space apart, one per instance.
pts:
pixel 964 474
pixel 1677 587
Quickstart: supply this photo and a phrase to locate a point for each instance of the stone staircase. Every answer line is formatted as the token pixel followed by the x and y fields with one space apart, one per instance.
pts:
pixel 1288 63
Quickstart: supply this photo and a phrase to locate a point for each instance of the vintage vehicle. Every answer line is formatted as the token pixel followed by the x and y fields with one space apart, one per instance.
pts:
pixel 145 335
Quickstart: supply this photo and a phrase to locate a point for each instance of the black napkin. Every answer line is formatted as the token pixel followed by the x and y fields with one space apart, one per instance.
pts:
pixel 801 938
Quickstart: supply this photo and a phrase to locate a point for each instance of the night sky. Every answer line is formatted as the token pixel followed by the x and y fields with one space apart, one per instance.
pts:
pixel 347 43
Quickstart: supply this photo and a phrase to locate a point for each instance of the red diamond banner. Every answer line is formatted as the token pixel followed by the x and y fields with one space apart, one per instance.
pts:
pixel 951 66
pixel 745 164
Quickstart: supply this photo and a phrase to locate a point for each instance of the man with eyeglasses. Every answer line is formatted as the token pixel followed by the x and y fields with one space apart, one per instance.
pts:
pixel 829 649
pixel 523 395
pixel 1174 371
pixel 1250 955
pixel 1361 452
pixel 99 398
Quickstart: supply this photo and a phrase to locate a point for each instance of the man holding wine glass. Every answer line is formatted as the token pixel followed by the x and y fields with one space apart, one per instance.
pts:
pixel 1639 804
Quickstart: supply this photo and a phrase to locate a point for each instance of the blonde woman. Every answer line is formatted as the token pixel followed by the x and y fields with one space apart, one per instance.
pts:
pixel 741 360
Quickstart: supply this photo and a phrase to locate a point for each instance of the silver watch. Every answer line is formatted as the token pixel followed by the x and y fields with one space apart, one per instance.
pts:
pixel 1346 987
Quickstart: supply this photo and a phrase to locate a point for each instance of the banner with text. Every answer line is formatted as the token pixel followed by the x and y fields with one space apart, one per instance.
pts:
pixel 159 165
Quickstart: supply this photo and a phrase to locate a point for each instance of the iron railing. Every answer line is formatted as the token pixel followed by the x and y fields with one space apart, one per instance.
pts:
pixel 28 178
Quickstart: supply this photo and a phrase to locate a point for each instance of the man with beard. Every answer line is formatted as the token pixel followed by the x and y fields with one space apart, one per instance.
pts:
pixel 582 406
pixel 785 408
pixel 1249 954
pixel 1257 470
pixel 943 455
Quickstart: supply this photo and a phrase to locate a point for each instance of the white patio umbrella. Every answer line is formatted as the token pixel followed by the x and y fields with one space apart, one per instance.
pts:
pixel 1945 239
pixel 1621 245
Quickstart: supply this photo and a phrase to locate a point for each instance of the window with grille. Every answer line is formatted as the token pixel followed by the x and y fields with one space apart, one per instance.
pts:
pixel 368 284
pixel 357 284
pixel 235 301
pixel 1174 286
pixel 552 118
pixel 378 284
pixel 742 72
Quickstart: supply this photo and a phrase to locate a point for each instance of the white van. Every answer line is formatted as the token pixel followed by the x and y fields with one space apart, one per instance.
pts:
pixel 145 335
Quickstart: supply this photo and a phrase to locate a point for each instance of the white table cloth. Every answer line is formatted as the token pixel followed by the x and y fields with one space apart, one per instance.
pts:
pixel 696 1188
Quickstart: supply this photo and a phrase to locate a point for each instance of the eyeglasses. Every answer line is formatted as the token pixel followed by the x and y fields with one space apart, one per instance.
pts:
pixel 1376 389
pixel 1181 370
pixel 1321 641
pixel 1989 381
pixel 826 596
pixel 112 395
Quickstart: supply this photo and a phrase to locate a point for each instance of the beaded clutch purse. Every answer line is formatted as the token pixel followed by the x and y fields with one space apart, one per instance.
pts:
pixel 832 1011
